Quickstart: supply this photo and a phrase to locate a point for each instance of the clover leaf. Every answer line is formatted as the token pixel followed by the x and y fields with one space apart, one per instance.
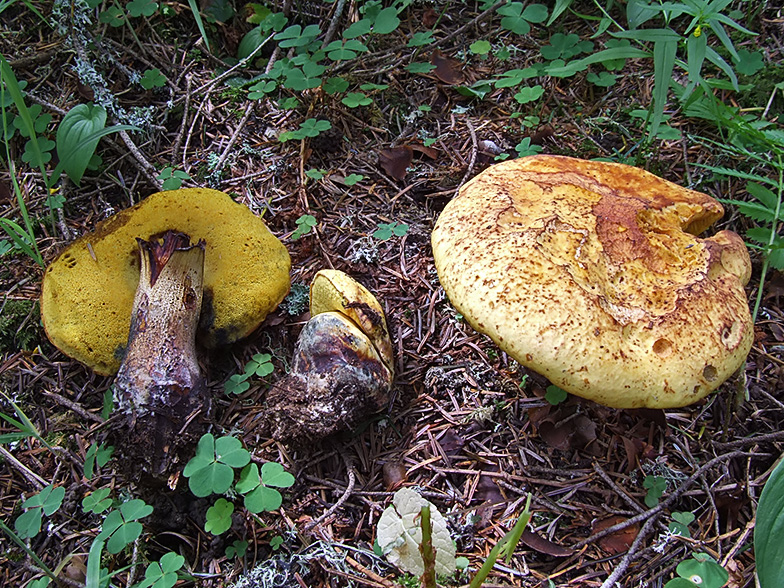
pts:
pixel 211 471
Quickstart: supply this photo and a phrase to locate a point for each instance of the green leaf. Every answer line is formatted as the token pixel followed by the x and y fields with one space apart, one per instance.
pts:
pixel 152 78
pixel 229 450
pixel 421 39
pixel 535 13
pixel 419 67
pixel 769 530
pixel 305 225
pixel 356 99
pixel 555 395
pixel 386 21
pixel 236 384
pixel 357 29
pixel 352 179
pixel 386 231
pixel 680 523
pixel 28 524
pixel 77 138
pixel 251 41
pixel 113 16
pixel 263 499
pixel 526 95
pixel 260 365
pixel 748 63
pixel 163 574
pixel 98 501
pixel 273 474
pixel 603 79
pixel 137 8
pixel 236 549
pixel 249 479
pixel 335 85
pixel 703 571
pixel 558 9
pixel 663 64
pixel 219 517
pixel 656 485
pixel 194 6
pixel 480 47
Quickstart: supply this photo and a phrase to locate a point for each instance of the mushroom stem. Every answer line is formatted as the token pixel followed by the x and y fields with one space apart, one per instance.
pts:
pixel 159 384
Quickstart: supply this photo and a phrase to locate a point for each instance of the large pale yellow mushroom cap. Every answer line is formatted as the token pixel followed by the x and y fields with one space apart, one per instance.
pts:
pixel 591 274
pixel 88 290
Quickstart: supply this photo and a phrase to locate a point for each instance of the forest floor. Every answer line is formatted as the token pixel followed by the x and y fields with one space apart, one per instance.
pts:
pixel 465 424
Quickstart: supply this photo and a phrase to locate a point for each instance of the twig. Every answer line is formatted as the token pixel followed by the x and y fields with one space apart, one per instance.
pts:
pixel 342 499
pixel 619 491
pixel 145 166
pixel 236 134
pixel 474 151
pixel 333 24
pixel 73 406
pixel 674 496
pixel 181 132
pixel 31 476
pixel 621 568
pixel 745 442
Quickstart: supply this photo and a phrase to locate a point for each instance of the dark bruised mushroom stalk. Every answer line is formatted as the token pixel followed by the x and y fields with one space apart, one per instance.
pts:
pixel 159 387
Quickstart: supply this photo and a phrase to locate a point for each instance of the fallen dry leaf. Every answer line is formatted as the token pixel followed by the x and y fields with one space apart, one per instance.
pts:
pixel 447 70
pixel 394 474
pixel 619 541
pixel 395 161
pixel 542 545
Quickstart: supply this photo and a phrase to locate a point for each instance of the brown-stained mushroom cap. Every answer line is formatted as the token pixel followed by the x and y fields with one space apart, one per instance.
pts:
pixel 591 274
pixel 88 290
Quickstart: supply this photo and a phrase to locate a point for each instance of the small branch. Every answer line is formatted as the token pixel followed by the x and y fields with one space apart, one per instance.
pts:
pixel 341 500
pixel 248 111
pixel 145 166
pixel 629 556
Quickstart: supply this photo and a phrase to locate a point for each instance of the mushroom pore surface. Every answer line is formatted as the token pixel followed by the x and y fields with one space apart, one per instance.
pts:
pixel 88 290
pixel 591 274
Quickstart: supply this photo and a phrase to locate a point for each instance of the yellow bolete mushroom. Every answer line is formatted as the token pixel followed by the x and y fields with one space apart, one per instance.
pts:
pixel 133 297
pixel 88 290
pixel 592 274
pixel 343 366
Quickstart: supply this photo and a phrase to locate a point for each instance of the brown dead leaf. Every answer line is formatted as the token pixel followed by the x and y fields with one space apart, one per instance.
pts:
pixel 395 161
pixel 447 70
pixel 542 545
pixel 619 541
pixel 430 18
pixel 429 151
pixel 394 474
pixel 561 430
pixel 632 453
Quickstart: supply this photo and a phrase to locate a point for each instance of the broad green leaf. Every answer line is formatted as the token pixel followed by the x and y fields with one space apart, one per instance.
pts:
pixel 273 474
pixel 219 517
pixel 216 478
pixel 229 450
pixel 249 479
pixel 386 21
pixel 125 534
pixel 703 571
pixel 77 138
pixel 262 499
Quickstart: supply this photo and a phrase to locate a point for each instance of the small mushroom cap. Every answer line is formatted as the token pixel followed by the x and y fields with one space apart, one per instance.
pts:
pixel 591 274
pixel 333 290
pixel 87 291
